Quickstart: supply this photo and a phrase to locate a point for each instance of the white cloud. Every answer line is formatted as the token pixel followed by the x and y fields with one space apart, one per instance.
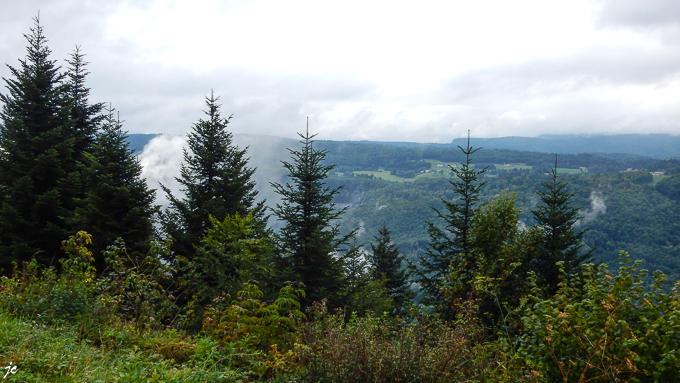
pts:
pixel 161 160
pixel 376 70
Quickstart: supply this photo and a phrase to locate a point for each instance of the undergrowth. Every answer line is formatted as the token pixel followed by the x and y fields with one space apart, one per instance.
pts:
pixel 73 325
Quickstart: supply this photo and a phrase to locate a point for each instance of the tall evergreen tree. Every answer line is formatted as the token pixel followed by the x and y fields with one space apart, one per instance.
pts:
pixel 216 181
pixel 385 261
pixel 86 118
pixel 556 216
pixel 38 157
pixel 310 240
pixel 118 202
pixel 450 244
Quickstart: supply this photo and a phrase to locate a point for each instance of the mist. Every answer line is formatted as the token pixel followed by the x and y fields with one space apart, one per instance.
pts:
pixel 162 158
pixel 597 206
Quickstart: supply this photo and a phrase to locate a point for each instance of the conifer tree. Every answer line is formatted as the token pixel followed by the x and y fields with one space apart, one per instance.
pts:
pixel 449 244
pixel 38 157
pixel 385 261
pixel 86 118
pixel 216 181
pixel 310 241
pixel 556 216
pixel 118 202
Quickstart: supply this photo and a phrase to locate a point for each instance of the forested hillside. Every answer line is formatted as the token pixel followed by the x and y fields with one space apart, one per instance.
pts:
pixel 608 201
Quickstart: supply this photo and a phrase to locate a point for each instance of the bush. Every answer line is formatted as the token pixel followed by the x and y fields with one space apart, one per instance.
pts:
pixel 605 327
pixel 49 296
pixel 135 289
pixel 383 349
pixel 255 335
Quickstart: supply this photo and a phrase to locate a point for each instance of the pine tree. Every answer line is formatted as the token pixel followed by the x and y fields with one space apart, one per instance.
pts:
pixel 561 242
pixel 449 246
pixel 39 158
pixel 216 181
pixel 118 202
pixel 86 117
pixel 310 240
pixel 385 261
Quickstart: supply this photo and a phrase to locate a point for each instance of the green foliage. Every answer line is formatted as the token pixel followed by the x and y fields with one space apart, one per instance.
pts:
pixel 117 202
pixel 255 323
pixel 310 237
pixel 605 327
pixel 386 266
pixel 380 349
pixel 58 171
pixel 363 293
pixel 556 217
pixel 670 187
pixel 254 331
pixel 504 257
pixel 136 288
pixel 232 251
pixel 215 179
pixel 85 117
pixel 57 353
pixel 45 295
pixel 448 248
pixel 39 164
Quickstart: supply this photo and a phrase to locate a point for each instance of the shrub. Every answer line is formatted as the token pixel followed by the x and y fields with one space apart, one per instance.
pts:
pixel 605 327
pixel 51 296
pixel 255 335
pixel 135 289
pixel 383 349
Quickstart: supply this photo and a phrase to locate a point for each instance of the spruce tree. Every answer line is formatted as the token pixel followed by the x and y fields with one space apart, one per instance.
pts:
pixel 556 216
pixel 118 202
pixel 86 118
pixel 385 261
pixel 216 181
pixel 449 245
pixel 310 241
pixel 39 158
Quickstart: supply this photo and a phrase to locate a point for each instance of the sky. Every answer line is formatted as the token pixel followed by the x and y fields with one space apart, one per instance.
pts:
pixel 425 71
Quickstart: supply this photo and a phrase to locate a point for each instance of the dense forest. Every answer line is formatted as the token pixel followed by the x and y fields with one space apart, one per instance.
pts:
pixel 387 263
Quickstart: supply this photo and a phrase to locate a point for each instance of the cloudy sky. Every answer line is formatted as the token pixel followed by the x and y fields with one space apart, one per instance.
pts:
pixel 424 71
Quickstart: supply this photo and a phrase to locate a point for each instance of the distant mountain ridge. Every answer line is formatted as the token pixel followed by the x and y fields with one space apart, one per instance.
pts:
pixel 661 146
pixel 650 145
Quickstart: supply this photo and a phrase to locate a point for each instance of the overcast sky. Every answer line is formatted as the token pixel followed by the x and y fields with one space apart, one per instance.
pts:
pixel 424 71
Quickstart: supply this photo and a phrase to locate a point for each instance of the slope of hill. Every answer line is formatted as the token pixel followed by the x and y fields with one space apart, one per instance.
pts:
pixel 650 145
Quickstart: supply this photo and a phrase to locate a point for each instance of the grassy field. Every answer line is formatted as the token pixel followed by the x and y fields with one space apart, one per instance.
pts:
pixel 512 166
pixel 571 171
pixel 383 175
pixel 446 171
pixel 656 179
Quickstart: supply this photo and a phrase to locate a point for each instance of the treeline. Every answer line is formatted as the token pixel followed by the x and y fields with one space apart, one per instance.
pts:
pixel 65 164
pixel 216 295
pixel 354 156
pixel 67 167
